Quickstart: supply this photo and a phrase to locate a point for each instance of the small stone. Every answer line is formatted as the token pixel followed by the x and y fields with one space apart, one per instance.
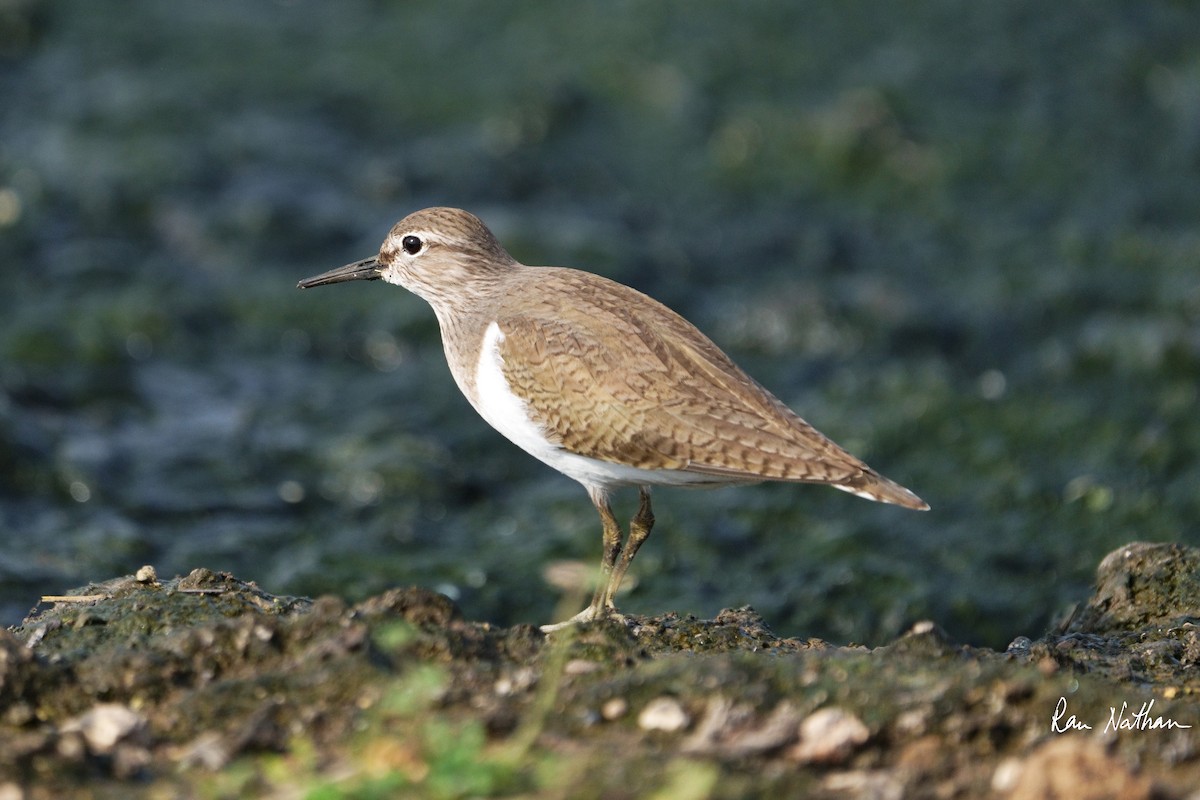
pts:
pixel 580 666
pixel 829 736
pixel 146 574
pixel 663 714
pixel 614 708
pixel 913 723
pixel 104 725
pixel 777 730
pixel 515 682
pixel 1019 646
pixel 1007 773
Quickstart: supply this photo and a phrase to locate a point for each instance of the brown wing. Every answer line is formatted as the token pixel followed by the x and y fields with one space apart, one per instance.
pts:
pixel 615 375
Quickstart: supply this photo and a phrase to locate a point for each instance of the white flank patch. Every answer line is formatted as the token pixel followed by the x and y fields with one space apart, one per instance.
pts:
pixel 858 492
pixel 509 414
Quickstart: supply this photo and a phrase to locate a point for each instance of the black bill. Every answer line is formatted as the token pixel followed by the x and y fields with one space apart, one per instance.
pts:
pixel 366 270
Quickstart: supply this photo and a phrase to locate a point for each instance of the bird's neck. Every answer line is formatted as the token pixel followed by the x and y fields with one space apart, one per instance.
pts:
pixel 463 316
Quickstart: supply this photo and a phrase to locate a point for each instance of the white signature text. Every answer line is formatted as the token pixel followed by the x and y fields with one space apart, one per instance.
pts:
pixel 1124 718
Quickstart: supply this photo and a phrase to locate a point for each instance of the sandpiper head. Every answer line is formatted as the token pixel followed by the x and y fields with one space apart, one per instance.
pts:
pixel 432 253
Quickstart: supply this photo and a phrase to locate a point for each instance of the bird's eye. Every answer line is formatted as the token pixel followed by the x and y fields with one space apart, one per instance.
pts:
pixel 411 244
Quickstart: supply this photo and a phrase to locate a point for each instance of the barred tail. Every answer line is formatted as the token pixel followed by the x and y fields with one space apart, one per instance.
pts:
pixel 874 486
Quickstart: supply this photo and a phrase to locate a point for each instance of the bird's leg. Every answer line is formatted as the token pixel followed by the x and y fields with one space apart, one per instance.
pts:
pixel 639 531
pixel 614 562
pixel 608 557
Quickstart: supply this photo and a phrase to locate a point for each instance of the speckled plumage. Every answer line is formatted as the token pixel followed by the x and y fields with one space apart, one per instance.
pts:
pixel 615 375
pixel 603 372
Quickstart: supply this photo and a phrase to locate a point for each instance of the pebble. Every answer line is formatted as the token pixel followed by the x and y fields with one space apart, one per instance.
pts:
pixel 520 680
pixel 104 725
pixel 829 736
pixel 614 708
pixel 663 714
pixel 1019 646
pixel 580 666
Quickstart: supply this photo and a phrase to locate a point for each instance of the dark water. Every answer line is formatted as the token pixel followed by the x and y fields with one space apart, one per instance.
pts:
pixel 961 240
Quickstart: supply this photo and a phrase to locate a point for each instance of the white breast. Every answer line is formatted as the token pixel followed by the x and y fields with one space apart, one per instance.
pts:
pixel 509 414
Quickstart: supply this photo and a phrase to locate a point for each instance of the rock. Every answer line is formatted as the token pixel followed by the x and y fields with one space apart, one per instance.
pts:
pixel 581 666
pixel 104 725
pixel 614 709
pixel 1071 767
pixel 739 731
pixel 829 736
pixel 663 714
pixel 417 605
pixel 16 669
pixel 1143 584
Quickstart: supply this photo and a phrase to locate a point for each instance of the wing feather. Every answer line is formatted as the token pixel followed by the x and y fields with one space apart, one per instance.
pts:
pixel 612 374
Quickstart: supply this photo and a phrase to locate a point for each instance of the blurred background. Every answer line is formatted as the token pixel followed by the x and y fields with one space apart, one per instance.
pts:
pixel 960 239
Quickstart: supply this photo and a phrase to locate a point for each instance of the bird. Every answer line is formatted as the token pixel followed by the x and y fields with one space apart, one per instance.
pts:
pixel 601 382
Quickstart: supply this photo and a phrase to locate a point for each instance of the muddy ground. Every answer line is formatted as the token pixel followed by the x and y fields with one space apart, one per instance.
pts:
pixel 208 686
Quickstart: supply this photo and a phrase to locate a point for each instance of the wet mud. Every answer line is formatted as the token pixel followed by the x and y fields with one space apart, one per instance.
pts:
pixel 209 686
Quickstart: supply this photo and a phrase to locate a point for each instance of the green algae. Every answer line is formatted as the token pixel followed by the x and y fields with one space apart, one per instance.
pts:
pixel 958 240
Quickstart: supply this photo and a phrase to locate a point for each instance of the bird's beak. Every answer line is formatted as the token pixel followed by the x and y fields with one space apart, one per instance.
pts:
pixel 366 270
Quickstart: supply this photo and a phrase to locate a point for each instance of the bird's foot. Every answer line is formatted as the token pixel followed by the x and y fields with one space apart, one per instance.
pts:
pixel 589 614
